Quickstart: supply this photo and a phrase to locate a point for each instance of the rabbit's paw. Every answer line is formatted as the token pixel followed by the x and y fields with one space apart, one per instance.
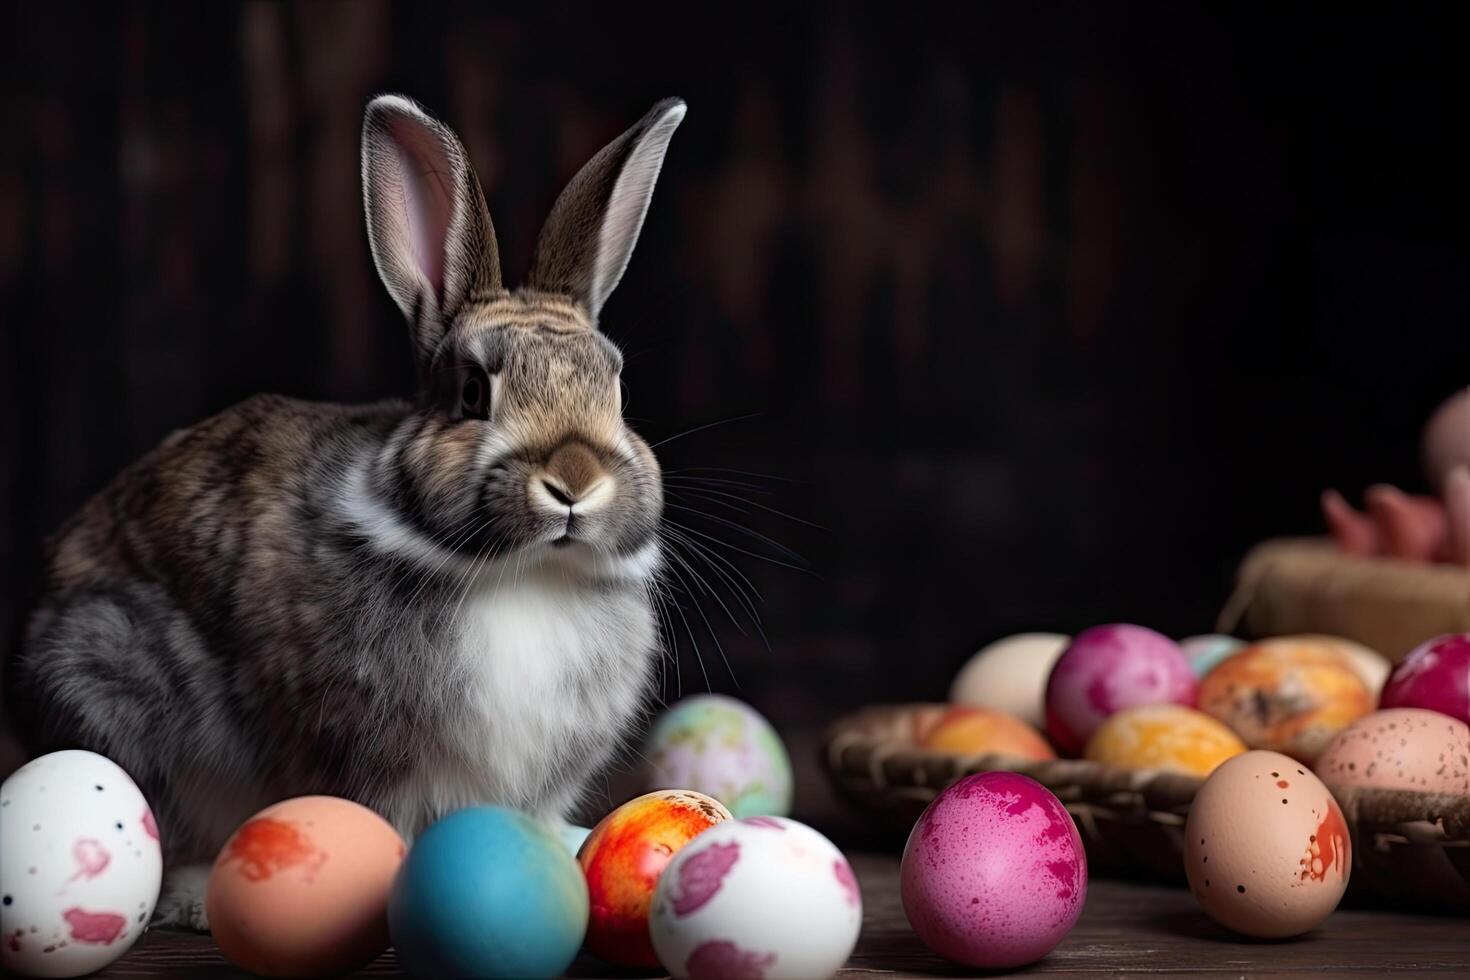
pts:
pixel 181 902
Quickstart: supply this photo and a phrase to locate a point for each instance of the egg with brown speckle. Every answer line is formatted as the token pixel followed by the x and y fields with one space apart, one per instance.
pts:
pixel 1400 748
pixel 1266 848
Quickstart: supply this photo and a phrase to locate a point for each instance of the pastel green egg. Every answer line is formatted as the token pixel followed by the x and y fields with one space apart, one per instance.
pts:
pixel 723 748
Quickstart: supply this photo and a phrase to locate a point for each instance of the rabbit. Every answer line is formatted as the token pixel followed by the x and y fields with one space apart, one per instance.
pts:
pixel 419 605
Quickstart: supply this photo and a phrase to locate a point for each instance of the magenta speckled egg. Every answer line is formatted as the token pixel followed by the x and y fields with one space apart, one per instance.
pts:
pixel 1435 675
pixel 1107 669
pixel 994 874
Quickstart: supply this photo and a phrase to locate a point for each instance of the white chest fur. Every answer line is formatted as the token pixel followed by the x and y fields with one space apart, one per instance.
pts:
pixel 546 674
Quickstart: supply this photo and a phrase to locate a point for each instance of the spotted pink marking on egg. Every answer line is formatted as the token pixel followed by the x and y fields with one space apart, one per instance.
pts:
pixel 701 874
pixel 847 880
pixel 91 857
pixel 150 827
pixel 722 958
pixel 94 927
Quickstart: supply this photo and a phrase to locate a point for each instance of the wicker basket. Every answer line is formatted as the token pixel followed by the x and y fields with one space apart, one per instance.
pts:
pixel 1306 585
pixel 1408 847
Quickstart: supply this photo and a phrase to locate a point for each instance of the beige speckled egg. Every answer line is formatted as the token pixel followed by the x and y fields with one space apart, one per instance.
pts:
pixel 1400 748
pixel 1266 848
pixel 1010 675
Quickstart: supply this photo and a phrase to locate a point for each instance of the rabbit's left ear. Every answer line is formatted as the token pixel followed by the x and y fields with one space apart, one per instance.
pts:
pixel 586 242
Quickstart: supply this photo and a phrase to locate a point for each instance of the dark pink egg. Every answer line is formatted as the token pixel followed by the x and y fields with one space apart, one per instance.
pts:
pixel 994 874
pixel 1108 668
pixel 1435 675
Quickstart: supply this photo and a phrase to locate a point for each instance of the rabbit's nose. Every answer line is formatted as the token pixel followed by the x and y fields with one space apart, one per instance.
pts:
pixel 558 493
pixel 573 477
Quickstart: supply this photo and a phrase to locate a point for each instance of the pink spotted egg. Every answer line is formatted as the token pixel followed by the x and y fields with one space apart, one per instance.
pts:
pixel 80 865
pixel 994 874
pixel 764 898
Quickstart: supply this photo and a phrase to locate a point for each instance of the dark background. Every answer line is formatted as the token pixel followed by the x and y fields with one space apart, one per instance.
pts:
pixel 1045 313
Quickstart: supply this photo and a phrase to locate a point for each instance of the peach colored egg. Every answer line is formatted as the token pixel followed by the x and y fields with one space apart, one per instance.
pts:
pixel 1400 748
pixel 1266 849
pixel 301 888
pixel 1169 737
pixel 976 731
pixel 1288 695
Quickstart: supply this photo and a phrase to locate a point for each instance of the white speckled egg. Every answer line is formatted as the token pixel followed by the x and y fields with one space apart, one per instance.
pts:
pixel 760 897
pixel 1266 848
pixel 80 865
pixel 1010 675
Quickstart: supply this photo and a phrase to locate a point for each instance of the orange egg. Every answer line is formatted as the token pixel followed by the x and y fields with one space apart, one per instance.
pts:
pixel 978 731
pixel 1169 737
pixel 623 858
pixel 301 888
pixel 1290 695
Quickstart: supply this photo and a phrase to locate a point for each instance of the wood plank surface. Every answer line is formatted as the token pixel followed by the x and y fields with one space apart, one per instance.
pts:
pixel 1126 928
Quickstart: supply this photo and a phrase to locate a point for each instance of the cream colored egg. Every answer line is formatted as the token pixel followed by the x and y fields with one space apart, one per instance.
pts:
pixel 1371 666
pixel 1266 848
pixel 1010 675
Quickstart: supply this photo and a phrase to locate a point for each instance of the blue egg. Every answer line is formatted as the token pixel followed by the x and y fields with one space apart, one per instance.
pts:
pixel 573 836
pixel 488 892
pixel 1204 652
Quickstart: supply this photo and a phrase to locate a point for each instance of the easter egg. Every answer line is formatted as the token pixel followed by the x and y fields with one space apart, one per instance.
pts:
pixel 1109 668
pixel 488 892
pixel 1400 748
pixel 1167 737
pixel 976 731
pixel 301 888
pixel 1266 848
pixel 760 897
pixel 1288 695
pixel 572 837
pixel 1010 675
pixel 994 874
pixel 623 858
pixel 1435 675
pixel 80 865
pixel 1204 652
pixel 1371 666
pixel 723 748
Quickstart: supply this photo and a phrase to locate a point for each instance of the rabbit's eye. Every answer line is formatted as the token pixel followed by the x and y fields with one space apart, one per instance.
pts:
pixel 474 394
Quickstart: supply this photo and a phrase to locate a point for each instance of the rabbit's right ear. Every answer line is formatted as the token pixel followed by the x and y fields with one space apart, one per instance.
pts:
pixel 431 236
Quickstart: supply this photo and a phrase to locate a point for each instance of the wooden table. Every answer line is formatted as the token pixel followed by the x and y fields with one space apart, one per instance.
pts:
pixel 1125 928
